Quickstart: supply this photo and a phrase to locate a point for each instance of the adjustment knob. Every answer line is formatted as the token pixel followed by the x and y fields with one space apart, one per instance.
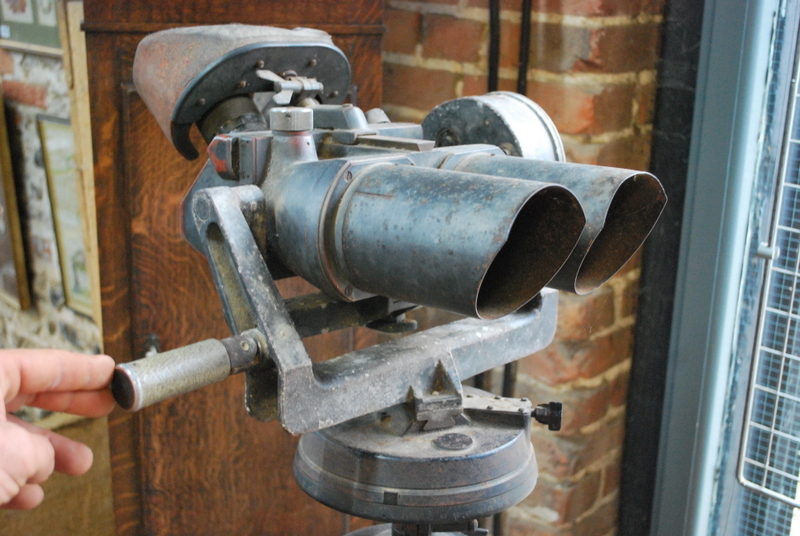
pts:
pixel 549 414
pixel 287 119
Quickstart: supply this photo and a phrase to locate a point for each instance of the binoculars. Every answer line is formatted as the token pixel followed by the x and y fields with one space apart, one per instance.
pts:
pixel 474 211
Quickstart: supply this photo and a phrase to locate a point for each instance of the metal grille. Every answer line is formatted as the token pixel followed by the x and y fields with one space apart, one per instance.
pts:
pixel 770 461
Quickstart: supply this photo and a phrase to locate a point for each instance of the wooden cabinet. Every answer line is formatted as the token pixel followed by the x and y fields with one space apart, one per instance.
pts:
pixel 195 465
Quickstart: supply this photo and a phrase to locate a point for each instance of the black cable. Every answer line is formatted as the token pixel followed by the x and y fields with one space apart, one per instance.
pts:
pixel 509 379
pixel 494 43
pixel 524 48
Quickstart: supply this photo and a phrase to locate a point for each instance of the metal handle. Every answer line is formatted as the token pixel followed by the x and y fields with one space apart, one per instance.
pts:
pixel 144 382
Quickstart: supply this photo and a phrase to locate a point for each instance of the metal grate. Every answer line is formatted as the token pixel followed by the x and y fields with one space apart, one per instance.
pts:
pixel 770 460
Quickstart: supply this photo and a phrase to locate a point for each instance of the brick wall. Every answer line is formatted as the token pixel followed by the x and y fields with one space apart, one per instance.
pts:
pixel 592 68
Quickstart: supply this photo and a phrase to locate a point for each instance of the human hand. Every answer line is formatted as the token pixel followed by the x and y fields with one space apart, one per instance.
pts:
pixel 54 380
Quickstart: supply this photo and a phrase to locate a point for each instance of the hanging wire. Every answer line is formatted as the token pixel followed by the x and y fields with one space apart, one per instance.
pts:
pixel 524 48
pixel 494 44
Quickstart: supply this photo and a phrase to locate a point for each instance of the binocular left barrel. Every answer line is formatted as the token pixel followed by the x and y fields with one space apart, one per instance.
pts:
pixel 470 243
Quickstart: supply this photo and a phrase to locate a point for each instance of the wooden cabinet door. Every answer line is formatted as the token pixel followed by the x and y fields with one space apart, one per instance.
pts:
pixel 197 464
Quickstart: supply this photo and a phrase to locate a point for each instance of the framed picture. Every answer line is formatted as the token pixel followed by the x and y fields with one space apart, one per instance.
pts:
pixel 58 148
pixel 30 25
pixel 14 287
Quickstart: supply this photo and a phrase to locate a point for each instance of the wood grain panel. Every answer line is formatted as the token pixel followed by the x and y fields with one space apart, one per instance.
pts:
pixel 197 464
pixel 308 12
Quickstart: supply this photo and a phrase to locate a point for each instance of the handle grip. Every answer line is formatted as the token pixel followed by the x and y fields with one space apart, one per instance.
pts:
pixel 144 382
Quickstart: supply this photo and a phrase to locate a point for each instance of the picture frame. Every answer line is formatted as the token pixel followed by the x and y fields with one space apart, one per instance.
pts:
pixel 14 284
pixel 30 26
pixel 63 184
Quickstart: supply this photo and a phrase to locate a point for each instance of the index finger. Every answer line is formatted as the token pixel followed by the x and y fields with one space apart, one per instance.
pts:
pixel 24 372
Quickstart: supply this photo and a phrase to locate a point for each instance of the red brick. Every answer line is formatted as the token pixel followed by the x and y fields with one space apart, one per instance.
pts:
pixel 509 43
pixel 631 152
pixel 557 48
pixel 655 7
pixel 475 85
pixel 417 88
pixel 616 49
pixel 583 7
pixel 646 99
pixel 565 456
pixel 558 456
pixel 505 5
pixel 600 522
pixel 581 110
pixel 451 38
pixel 563 362
pixel 618 390
pixel 630 299
pixel 581 406
pixel 479 85
pixel 633 263
pixel 6 62
pixel 402 31
pixel 31 94
pixel 610 49
pixel 580 316
pixel 611 478
pixel 516 526
pixel 569 500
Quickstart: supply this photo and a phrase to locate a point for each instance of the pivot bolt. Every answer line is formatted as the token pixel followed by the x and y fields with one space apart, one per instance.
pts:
pixel 549 414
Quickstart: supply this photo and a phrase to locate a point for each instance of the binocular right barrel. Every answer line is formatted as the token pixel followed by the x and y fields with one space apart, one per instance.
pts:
pixel 621 207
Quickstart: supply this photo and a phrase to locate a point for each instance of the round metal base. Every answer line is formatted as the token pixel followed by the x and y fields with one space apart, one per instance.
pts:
pixel 383 467
pixel 386 530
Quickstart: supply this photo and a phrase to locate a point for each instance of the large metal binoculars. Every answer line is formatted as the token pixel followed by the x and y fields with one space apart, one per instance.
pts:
pixel 474 211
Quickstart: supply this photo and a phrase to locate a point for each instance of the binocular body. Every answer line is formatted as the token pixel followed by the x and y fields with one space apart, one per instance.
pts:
pixel 473 211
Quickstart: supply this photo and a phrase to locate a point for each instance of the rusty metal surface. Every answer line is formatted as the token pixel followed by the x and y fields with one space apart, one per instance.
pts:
pixel 511 121
pixel 478 245
pixel 472 244
pixel 621 208
pixel 144 382
pixel 219 62
pixel 380 222
pixel 306 396
pixel 382 466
